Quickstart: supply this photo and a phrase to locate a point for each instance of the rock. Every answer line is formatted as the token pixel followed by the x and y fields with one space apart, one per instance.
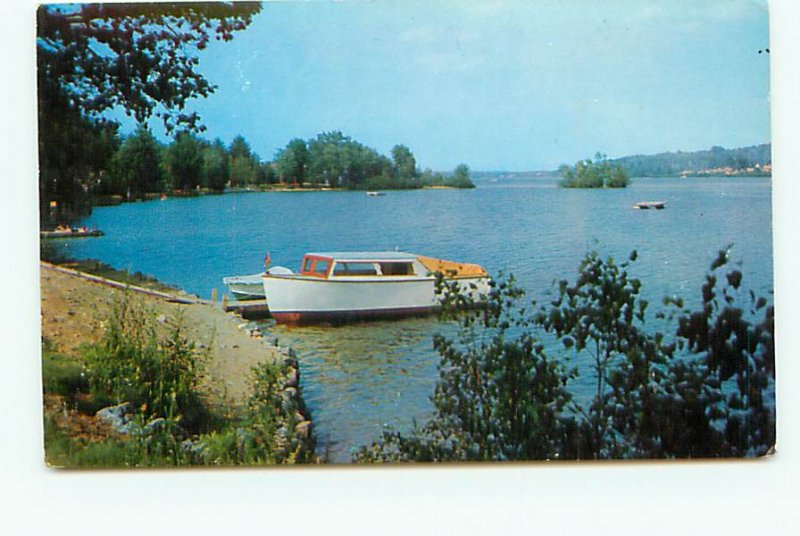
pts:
pixel 161 319
pixel 303 429
pixel 193 447
pixel 116 416
pixel 289 399
pixel 291 377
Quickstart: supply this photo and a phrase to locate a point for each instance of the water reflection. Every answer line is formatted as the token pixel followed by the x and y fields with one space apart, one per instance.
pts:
pixel 358 378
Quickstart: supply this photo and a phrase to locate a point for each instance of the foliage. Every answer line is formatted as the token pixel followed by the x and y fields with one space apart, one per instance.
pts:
pixel 597 173
pixel 216 169
pixel 169 423
pixel 136 167
pixel 63 376
pixel 460 178
pixel 243 163
pixel 499 396
pixel 138 57
pixel 706 392
pixel 292 162
pixel 73 152
pixel 133 365
pixel 261 434
pixel 334 159
pixel 183 161
pixel 404 165
pixel 739 355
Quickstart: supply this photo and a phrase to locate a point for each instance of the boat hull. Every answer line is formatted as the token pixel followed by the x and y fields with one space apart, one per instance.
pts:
pixel 296 300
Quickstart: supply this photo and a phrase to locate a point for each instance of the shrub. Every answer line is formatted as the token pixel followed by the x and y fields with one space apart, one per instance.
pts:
pixel 158 376
pixel 706 392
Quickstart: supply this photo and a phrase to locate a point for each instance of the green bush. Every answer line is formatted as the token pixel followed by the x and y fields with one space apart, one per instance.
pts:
pixel 62 376
pixel 704 392
pixel 158 376
pixel 170 424
pixel 264 431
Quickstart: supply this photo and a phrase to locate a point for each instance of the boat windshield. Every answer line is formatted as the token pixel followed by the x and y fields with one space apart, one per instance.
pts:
pixel 354 268
pixel 321 266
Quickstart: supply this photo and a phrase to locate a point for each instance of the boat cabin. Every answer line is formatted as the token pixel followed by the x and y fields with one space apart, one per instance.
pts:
pixel 336 265
pixel 383 264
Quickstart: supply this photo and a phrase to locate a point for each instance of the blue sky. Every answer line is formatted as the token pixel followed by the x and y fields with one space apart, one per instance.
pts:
pixel 496 84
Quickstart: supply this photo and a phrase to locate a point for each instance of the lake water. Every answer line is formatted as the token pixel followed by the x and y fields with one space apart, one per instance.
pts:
pixel 358 378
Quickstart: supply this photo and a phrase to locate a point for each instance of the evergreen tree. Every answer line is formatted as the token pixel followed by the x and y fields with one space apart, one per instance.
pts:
pixel 136 168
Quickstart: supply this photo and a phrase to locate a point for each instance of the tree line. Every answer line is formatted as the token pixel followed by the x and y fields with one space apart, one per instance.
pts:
pixel 140 166
pixel 142 59
pixel 671 164
pixel 333 159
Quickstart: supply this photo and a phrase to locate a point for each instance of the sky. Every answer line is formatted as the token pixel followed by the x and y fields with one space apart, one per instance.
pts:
pixel 498 85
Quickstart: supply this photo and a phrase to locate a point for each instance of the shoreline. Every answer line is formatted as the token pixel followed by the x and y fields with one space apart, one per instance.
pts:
pixel 75 305
pixel 115 200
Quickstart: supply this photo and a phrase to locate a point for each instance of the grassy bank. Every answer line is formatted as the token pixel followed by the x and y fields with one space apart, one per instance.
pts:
pixel 132 381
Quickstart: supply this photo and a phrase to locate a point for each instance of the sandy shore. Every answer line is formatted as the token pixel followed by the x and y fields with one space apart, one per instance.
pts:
pixel 74 309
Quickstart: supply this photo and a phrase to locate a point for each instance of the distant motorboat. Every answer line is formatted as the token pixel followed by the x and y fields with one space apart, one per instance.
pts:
pixel 356 285
pixel 645 205
pixel 375 194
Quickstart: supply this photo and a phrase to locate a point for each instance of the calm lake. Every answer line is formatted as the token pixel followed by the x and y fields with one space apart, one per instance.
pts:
pixel 358 378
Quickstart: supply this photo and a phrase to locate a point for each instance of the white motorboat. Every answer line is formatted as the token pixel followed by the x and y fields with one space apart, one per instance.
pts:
pixel 345 286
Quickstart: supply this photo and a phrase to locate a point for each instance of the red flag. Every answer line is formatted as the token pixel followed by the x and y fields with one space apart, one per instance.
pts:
pixel 267 261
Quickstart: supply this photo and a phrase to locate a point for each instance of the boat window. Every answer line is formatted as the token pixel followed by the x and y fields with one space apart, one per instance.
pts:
pixel 397 268
pixel 306 265
pixel 321 267
pixel 354 268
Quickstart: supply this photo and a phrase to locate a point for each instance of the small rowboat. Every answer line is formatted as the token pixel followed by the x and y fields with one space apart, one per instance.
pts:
pixel 645 205
pixel 245 287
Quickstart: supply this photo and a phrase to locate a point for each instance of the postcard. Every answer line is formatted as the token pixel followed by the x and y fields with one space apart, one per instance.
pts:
pixel 348 233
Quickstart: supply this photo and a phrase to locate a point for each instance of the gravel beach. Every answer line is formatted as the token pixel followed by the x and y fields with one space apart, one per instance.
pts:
pixel 73 311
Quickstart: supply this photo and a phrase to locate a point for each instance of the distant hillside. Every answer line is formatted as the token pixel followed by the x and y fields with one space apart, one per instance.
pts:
pixel 754 160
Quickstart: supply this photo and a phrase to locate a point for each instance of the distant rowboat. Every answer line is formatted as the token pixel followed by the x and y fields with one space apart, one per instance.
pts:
pixel 645 205
pixel 70 232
